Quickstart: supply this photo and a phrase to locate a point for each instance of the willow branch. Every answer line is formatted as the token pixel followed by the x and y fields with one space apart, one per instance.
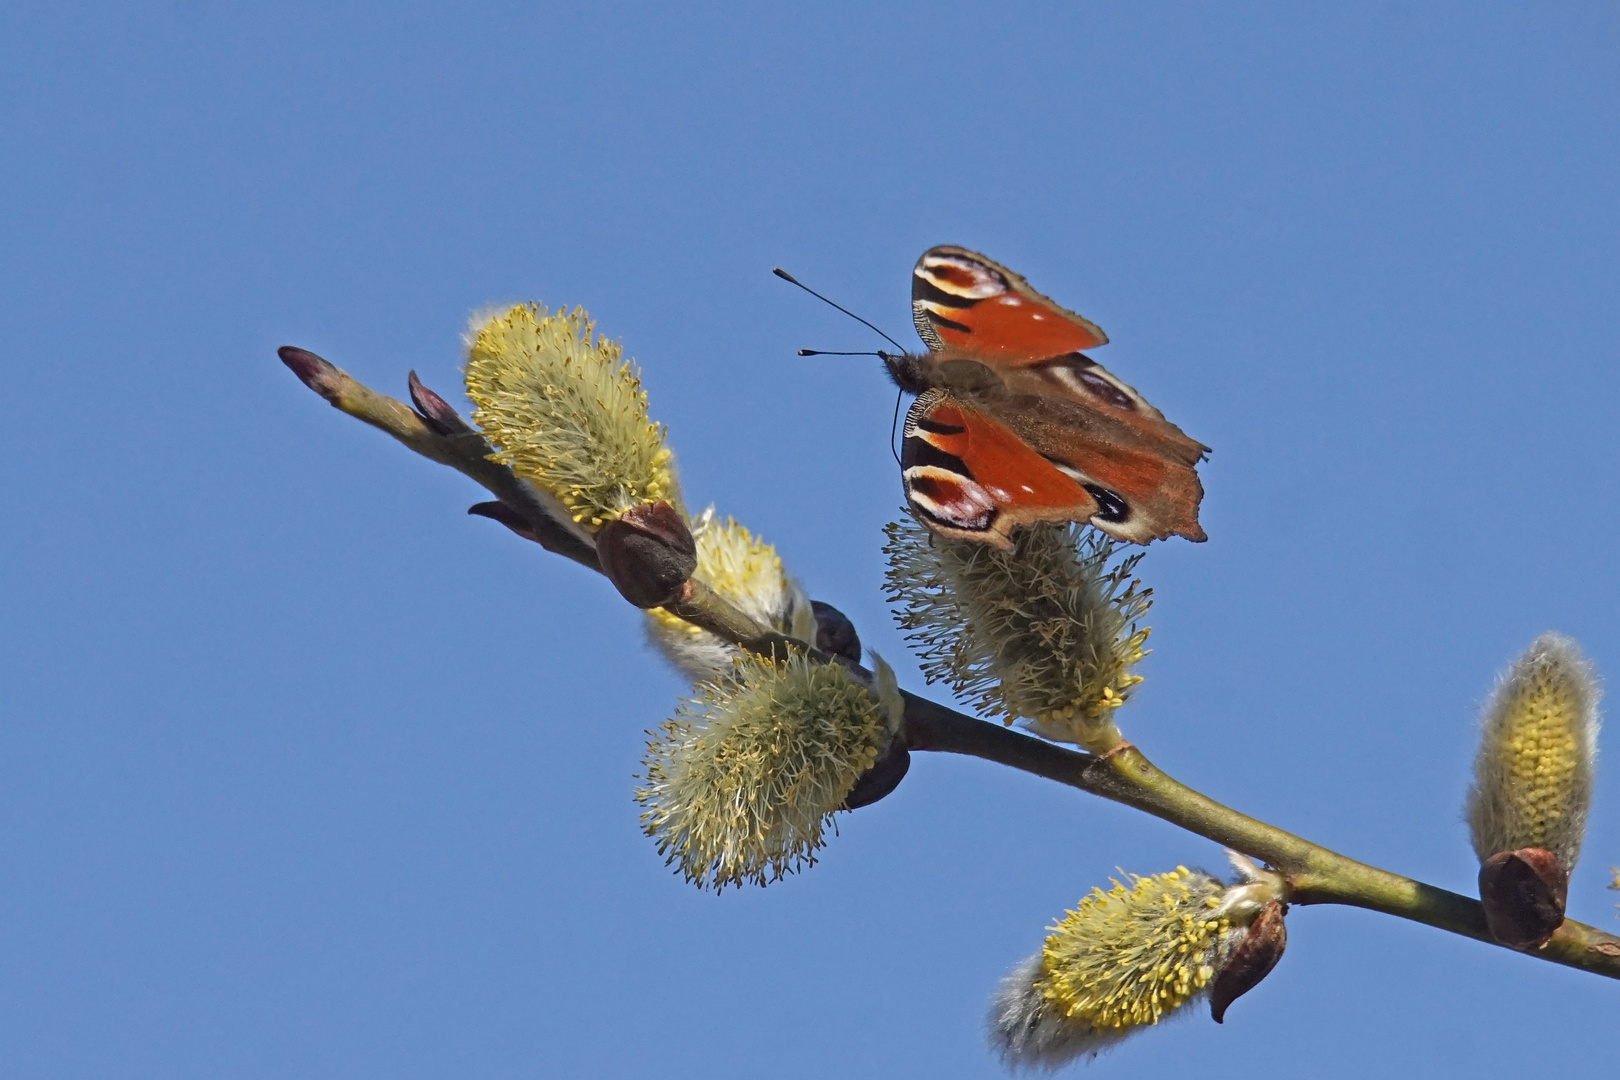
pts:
pixel 438 434
pixel 1315 875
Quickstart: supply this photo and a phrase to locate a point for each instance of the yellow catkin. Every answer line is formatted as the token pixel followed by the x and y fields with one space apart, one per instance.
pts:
pixel 1129 956
pixel 1541 747
pixel 567 412
pixel 1533 771
pixel 741 782
pixel 1046 633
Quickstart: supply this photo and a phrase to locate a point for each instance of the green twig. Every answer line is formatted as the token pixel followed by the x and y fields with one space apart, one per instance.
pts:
pixel 1315 874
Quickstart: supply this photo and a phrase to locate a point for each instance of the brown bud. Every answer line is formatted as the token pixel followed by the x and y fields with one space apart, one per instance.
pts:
pixel 499 511
pixel 316 373
pixel 1524 893
pixel 648 553
pixel 1251 960
pixel 835 634
pixel 883 777
pixel 435 411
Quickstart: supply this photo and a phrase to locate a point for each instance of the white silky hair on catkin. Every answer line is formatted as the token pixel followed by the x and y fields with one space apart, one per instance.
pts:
pixel 1517 801
pixel 768 597
pixel 702 655
pixel 480 318
pixel 696 656
pixel 1028 1035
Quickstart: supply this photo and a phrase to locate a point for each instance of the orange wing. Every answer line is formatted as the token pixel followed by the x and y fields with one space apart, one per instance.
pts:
pixel 962 301
pixel 1099 432
pixel 970 478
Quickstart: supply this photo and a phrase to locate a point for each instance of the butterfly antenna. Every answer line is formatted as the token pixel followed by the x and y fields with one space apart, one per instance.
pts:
pixel 790 279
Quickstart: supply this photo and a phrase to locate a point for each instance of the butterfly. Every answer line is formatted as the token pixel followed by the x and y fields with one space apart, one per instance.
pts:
pixel 1013 424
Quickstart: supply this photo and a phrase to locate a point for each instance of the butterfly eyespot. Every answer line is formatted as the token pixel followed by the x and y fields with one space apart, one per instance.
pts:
pixel 949 498
pixel 1104 389
pixel 962 277
pixel 1110 507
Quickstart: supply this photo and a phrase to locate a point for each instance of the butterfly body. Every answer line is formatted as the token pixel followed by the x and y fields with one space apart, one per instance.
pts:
pixel 1013 424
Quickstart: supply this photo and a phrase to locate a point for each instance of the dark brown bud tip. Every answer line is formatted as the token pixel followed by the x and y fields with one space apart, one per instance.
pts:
pixel 1524 893
pixel 835 634
pixel 314 372
pixel 648 553
pixel 499 511
pixel 435 411
pixel 883 777
pixel 1252 959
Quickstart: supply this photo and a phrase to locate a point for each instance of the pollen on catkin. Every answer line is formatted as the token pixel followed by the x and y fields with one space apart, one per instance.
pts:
pixel 1126 957
pixel 1538 740
pixel 741 568
pixel 564 410
pixel 1045 633
pixel 1122 960
pixel 741 783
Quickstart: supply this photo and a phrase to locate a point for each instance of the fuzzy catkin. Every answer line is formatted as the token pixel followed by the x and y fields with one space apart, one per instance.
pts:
pixel 1129 956
pixel 567 412
pixel 1046 633
pixel 1538 741
pixel 742 781
pixel 1123 960
pixel 1028 1031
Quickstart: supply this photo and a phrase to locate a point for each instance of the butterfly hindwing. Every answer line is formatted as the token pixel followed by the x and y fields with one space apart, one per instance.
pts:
pixel 971 478
pixel 963 301
pixel 1145 485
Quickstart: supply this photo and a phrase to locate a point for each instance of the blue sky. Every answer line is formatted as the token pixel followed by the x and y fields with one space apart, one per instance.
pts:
pixel 303 773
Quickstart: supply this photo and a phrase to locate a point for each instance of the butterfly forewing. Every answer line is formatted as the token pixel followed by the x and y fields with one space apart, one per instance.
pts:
pixel 961 300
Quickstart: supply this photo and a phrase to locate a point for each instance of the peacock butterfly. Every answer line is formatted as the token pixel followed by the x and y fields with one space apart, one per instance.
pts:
pixel 1013 424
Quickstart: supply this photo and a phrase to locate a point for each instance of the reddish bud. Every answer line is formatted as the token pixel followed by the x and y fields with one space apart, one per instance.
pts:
pixel 314 372
pixel 648 553
pixel 1251 960
pixel 435 411
pixel 1523 893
